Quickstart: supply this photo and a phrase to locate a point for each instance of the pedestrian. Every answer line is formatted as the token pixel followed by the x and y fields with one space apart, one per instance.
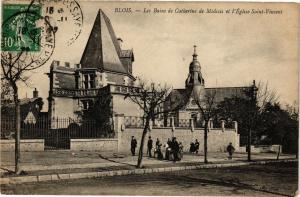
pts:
pixel 180 152
pixel 149 147
pixel 133 145
pixel 197 146
pixel 230 150
pixel 157 147
pixel 157 143
pixel 175 149
pixel 169 142
pixel 168 150
pixel 158 152
pixel 192 147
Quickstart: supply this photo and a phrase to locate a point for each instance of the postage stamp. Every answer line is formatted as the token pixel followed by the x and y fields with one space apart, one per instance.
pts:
pixel 28 37
pixel 19 28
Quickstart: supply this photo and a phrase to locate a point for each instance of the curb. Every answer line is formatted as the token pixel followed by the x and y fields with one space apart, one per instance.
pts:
pixel 57 177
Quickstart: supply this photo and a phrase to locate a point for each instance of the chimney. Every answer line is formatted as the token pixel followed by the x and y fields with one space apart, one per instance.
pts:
pixel 120 41
pixel 35 93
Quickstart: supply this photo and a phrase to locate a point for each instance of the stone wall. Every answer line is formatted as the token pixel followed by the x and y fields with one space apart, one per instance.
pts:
pixel 217 139
pixel 26 145
pixel 263 148
pixel 110 145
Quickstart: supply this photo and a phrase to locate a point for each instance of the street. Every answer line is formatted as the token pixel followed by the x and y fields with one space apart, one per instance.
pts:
pixel 277 179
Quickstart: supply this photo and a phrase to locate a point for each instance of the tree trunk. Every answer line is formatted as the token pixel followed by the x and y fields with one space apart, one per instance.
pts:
pixel 140 158
pixel 205 141
pixel 18 129
pixel 278 153
pixel 249 144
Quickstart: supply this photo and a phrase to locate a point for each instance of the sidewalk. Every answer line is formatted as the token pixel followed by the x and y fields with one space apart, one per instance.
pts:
pixel 56 165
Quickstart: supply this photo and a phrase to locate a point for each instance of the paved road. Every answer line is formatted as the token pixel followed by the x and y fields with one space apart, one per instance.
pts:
pixel 44 160
pixel 257 180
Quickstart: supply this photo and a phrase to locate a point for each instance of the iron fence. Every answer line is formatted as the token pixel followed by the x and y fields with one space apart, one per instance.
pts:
pixel 134 121
pixel 183 123
pixel 8 127
pixel 57 137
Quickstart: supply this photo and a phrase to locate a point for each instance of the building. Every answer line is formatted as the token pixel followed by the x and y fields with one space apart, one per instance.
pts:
pixel 30 108
pixel 195 88
pixel 30 112
pixel 104 76
pixel 104 71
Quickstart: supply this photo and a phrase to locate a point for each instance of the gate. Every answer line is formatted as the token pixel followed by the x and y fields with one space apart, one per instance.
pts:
pixel 58 132
pixel 54 139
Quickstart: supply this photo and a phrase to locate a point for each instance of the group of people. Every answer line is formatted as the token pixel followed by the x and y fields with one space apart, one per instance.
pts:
pixel 174 149
pixel 194 148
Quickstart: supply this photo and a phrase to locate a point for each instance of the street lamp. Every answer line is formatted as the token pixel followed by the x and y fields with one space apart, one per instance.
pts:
pixel 253 98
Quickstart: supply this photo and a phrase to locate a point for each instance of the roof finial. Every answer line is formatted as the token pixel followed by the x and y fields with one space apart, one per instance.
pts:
pixel 195 53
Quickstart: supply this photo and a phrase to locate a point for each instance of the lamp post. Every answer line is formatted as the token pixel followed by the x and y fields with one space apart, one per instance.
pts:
pixel 253 98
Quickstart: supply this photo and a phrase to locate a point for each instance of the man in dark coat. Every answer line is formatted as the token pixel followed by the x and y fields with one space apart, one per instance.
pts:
pixel 230 150
pixel 149 147
pixel 133 145
pixel 175 147
pixel 197 146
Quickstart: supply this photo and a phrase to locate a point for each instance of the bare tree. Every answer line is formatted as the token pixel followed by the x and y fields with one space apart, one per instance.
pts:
pixel 151 98
pixel 18 65
pixel 6 92
pixel 206 104
pixel 264 94
pixel 259 96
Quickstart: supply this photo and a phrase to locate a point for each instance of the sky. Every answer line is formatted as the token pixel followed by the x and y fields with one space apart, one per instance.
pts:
pixel 233 49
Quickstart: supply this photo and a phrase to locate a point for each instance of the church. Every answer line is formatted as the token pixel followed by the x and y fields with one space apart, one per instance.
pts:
pixel 105 72
pixel 195 88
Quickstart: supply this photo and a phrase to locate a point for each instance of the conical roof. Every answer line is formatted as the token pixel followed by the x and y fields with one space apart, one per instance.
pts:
pixel 102 50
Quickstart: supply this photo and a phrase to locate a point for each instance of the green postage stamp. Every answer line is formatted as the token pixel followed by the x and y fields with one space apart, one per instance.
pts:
pixel 19 27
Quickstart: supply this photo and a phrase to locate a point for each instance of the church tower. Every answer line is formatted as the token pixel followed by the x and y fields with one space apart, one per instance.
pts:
pixel 194 77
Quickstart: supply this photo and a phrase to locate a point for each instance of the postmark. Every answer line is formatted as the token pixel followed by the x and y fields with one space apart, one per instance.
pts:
pixel 66 16
pixel 28 39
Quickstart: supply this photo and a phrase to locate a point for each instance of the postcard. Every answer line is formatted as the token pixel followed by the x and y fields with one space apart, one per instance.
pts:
pixel 149 98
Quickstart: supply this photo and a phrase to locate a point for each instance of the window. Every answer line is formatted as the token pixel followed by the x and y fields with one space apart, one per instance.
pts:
pixel 86 104
pixel 89 80
pixel 92 81
pixel 86 81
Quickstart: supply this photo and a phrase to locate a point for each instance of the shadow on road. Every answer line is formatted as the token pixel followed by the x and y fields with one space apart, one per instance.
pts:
pixel 186 181
pixel 110 160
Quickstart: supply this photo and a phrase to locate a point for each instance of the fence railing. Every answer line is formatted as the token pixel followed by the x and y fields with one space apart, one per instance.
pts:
pixel 139 122
pixel 42 127
pixel 134 121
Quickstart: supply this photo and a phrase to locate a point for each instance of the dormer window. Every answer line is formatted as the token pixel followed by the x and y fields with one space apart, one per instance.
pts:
pixel 89 81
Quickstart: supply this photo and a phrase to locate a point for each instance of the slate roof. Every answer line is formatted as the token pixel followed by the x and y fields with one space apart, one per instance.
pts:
pixel 27 105
pixel 102 50
pixel 227 92
pixel 220 94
